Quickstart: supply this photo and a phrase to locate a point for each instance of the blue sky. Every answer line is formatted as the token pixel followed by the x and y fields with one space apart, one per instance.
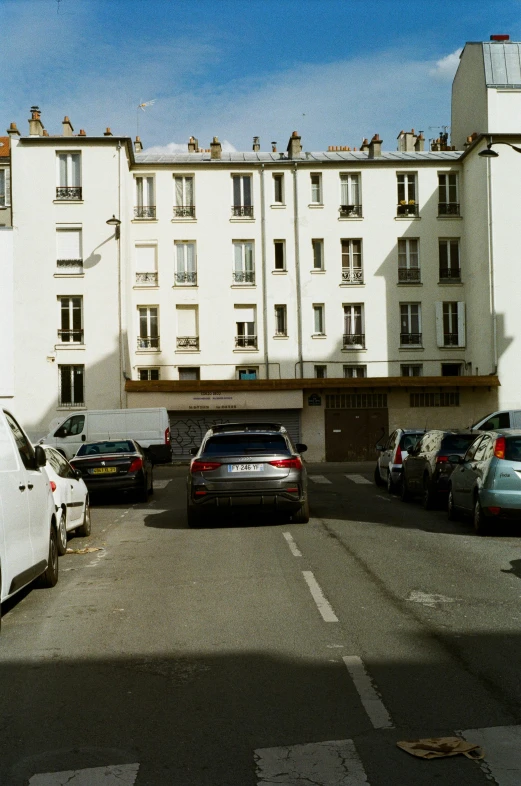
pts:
pixel 334 70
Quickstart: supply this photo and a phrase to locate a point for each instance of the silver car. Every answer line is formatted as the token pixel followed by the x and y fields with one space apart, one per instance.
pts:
pixel 392 453
pixel 253 465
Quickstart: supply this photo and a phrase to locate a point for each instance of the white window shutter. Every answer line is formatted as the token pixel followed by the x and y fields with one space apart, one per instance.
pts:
pixel 186 321
pixel 439 323
pixel 461 324
pixel 7 186
pixel 146 259
pixel 245 313
pixel 68 243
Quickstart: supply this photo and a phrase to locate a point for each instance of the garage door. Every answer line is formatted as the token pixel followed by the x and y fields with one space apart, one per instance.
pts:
pixel 188 428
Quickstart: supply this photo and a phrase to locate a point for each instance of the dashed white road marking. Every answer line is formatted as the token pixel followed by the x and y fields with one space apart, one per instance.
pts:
pixel 292 545
pixel 333 763
pixel 385 499
pixel 116 775
pixel 319 479
pixel 502 747
pixel 369 697
pixel 162 484
pixel 359 479
pixel 323 605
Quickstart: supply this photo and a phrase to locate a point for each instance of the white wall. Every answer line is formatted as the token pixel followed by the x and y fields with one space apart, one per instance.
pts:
pixel 7 380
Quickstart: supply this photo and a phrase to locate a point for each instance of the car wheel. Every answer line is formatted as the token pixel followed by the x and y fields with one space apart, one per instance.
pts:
pixel 84 529
pixel 194 518
pixel 62 533
pixel 481 525
pixel 428 497
pixel 302 515
pixel 377 479
pixel 452 511
pixel 142 493
pixel 405 494
pixel 50 576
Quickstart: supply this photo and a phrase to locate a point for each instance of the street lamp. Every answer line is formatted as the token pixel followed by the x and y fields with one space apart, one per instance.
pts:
pixel 116 223
pixel 489 153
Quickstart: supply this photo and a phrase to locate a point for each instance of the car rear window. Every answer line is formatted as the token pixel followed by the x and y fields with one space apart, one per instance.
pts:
pixel 243 444
pixel 457 443
pixel 513 449
pixel 121 446
pixel 408 441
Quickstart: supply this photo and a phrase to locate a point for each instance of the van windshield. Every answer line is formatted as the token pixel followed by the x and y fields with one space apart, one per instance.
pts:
pixel 98 448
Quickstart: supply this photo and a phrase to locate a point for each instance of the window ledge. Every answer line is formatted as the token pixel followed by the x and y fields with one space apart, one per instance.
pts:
pixel 316 206
pixel 183 286
pixel 184 220
pixel 148 351
pixel 279 272
pixel 451 348
pixel 71 407
pixel 450 283
pixel 246 349
pixel 407 218
pixel 450 218
pixel 280 338
pixel 69 346
pixel 239 220
pixel 145 286
pixel 354 284
pixel 350 218
pixel 5 207
pixel 278 206
pixel 69 275
pixel 409 283
pixel 187 351
pixel 316 270
pixel 405 348
pixel 354 349
pixel 318 335
pixel 144 221
pixel 68 201
pixel 243 286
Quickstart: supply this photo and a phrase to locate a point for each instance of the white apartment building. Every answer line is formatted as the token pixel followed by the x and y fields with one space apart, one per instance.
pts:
pixel 343 292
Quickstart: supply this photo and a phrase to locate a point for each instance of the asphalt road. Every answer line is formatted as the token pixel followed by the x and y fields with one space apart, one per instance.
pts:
pixel 262 652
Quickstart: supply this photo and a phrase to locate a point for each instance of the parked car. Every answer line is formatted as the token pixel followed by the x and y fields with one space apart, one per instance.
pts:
pixel 427 469
pixel 253 465
pixel 486 481
pixel 506 418
pixel 119 465
pixel 28 531
pixel 71 497
pixel 392 453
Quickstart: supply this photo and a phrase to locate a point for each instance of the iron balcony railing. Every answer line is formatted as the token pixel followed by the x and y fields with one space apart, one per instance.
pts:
pixel 354 340
pixel 70 264
pixel 187 342
pixel 68 192
pixel 409 275
pixel 244 276
pixel 450 274
pixel 187 279
pixel 242 211
pixel 71 336
pixel 448 208
pixel 408 210
pixel 352 275
pixel 450 340
pixel 149 279
pixel 410 339
pixel 246 341
pixel 350 211
pixel 184 211
pixel 148 342
pixel 141 211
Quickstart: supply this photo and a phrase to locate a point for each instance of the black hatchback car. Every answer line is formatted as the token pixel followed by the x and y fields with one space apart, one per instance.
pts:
pixel 115 465
pixel 427 469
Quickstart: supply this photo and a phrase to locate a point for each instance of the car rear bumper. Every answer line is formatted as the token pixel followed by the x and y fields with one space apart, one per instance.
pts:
pixel 267 499
pixel 126 483
pixel 509 503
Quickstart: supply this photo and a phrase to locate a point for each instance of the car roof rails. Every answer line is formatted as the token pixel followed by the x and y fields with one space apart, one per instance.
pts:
pixel 247 427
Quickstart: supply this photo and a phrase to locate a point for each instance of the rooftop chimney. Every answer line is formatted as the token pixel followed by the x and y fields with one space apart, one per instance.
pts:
pixel 375 147
pixel 294 147
pixel 215 149
pixel 273 147
pixel 419 145
pixel 256 145
pixel 107 132
pixel 364 147
pixel 406 141
pixel 192 145
pixel 68 130
pixel 82 132
pixel 500 38
pixel 45 132
pixel 13 130
pixel 35 124
pixel 138 147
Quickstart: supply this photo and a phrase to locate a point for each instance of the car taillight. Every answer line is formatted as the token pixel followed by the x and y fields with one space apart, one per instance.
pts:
pixel 167 436
pixel 290 463
pixel 442 459
pixel 500 447
pixel 136 464
pixel 53 485
pixel 204 466
pixel 398 457
pixel 494 511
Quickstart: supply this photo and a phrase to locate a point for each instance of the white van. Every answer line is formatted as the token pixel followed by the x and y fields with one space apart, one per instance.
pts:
pixel 28 535
pixel 150 427
pixel 506 418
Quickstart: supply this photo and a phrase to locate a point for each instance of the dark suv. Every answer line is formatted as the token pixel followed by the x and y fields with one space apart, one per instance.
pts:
pixel 427 468
pixel 247 465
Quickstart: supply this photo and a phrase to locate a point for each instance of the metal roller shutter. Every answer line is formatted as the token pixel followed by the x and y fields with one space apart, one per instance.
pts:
pixel 188 428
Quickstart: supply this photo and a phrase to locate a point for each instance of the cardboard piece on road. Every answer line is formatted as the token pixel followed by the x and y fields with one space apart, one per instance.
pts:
pixel 86 550
pixel 438 747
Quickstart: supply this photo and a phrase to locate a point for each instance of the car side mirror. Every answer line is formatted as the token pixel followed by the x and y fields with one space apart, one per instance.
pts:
pixel 194 451
pixel 380 447
pixel 301 447
pixel 455 459
pixel 40 459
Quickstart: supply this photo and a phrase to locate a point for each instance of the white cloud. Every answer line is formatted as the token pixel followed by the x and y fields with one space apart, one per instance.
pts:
pixel 446 67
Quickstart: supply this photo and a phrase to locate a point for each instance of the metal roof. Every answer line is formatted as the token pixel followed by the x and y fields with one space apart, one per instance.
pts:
pixel 502 64
pixel 271 158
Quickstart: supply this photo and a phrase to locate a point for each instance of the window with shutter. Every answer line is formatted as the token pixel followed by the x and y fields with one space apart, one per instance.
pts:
pixel 146 264
pixel 68 250
pixel 187 330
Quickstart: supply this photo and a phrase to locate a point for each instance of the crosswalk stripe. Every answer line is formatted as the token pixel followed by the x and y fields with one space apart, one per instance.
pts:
pixel 161 484
pixel 502 748
pixel 333 763
pixel 115 775
pixel 319 479
pixel 370 699
pixel 358 479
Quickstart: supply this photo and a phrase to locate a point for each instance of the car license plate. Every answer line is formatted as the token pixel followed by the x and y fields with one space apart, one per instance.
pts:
pixel 103 470
pixel 245 467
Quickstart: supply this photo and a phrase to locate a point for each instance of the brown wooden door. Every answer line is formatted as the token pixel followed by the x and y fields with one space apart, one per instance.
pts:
pixel 351 434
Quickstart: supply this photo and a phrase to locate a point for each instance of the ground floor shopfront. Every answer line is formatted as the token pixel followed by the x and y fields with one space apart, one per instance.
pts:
pixel 338 419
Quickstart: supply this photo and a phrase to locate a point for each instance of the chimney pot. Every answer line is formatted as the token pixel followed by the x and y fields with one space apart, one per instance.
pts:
pixel 35 123
pixel 45 132
pixel 294 147
pixel 138 147
pixel 375 147
pixel 256 145
pixel 13 130
pixel 68 130
pixel 273 147
pixel 192 147
pixel 107 132
pixel 82 132
pixel 215 149
pixel 500 38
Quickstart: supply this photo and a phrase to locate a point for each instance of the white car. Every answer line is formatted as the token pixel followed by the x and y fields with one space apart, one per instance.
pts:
pixel 71 497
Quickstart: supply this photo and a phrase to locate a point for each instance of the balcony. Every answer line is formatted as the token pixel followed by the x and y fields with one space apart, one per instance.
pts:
pixel 450 340
pixel 147 279
pixel 145 212
pixel 448 208
pixel 410 339
pixel 71 336
pixel 408 209
pixel 450 274
pixel 148 342
pixel 246 342
pixel 354 340
pixel 244 277
pixel 68 193
pixel 409 275
pixel 187 342
pixel 184 211
pixel 352 275
pixel 70 265
pixel 242 211
pixel 185 279
pixel 350 211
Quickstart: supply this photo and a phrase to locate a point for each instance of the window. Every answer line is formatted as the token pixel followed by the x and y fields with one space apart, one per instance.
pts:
pixel 320 372
pixel 281 325
pixel 148 327
pixel 451 369
pixel 408 260
pixel 5 187
pixel 278 189
pixel 318 320
pixel 318 254
pixel 242 197
pixel 316 189
pixel 71 385
pixel 70 427
pixel 243 265
pixel 450 324
pixel 25 448
pixel 279 247
pixel 146 264
pixel 185 273
pixel 353 372
pixel 352 272
pixel 448 200
pixel 449 259
pixel 187 327
pixel 245 336
pixel 444 399
pixel 247 373
pixel 415 370
pixel 68 176
pixel 148 374
pixel 353 326
pixel 184 196
pixel 69 257
pixel 145 198
pixel 189 373
pixel 71 330
pixel 407 198
pixel 410 324
pixel 356 400
pixel 350 202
